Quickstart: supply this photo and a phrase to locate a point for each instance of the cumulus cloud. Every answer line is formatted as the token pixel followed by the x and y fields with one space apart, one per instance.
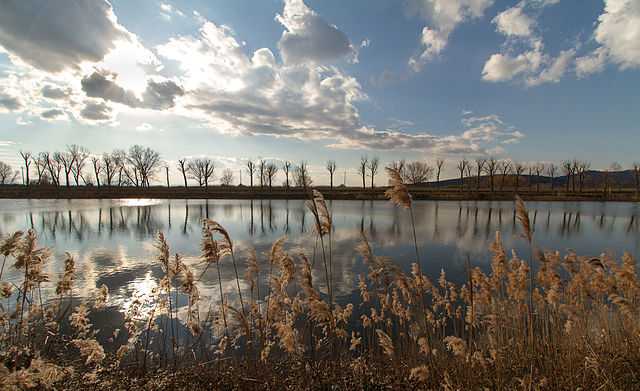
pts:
pixel 618 36
pixel 309 38
pixel 254 94
pixel 9 102
pixel 97 111
pixel 443 17
pixel 53 92
pixel 159 95
pixel 54 37
pixel 514 22
pixel 53 114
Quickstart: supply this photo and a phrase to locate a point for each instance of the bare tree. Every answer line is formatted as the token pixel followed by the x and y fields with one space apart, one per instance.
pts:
pixel 79 156
pixel 201 169
pixel 166 173
pixel 505 170
pixel 182 166
pixel 262 166
pixel 462 166
pixel 331 167
pixel 539 169
pixel 301 175
pixel 227 177
pixel 480 162
pixel 439 166
pixel 142 164
pixel 567 168
pixel 491 167
pixel 636 172
pixel 286 167
pixel 519 170
pixel 65 159
pixel 398 165
pixel 7 174
pixel 54 167
pixel 362 170
pixel 270 172
pixel 26 156
pixel 40 161
pixel 582 168
pixel 97 168
pixel 251 169
pixel 417 172
pixel 374 165
pixel 551 171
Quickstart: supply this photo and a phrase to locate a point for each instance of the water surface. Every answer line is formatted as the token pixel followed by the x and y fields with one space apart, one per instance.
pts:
pixel 112 240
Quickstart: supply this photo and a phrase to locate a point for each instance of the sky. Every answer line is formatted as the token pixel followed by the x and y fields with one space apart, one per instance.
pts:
pixel 312 80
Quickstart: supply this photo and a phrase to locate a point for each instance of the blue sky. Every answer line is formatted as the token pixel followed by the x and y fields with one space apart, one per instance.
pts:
pixel 528 80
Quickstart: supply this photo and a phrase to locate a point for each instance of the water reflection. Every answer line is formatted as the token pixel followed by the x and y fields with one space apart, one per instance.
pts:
pixel 113 239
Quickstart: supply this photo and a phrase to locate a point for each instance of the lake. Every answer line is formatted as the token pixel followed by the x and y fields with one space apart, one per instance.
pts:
pixel 112 240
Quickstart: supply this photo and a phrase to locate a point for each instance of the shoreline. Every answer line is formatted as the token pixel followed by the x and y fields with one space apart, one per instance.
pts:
pixel 340 193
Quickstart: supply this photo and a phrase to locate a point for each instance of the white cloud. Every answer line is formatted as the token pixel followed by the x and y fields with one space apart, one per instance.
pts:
pixel 309 38
pixel 503 67
pixel 592 63
pixel 618 34
pixel 443 16
pixel 146 127
pixel 9 102
pixel 514 22
pixel 52 37
pixel 167 11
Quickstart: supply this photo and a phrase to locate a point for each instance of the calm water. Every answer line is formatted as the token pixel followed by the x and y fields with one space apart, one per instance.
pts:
pixel 112 240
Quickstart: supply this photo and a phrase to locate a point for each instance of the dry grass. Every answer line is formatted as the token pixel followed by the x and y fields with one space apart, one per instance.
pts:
pixel 556 322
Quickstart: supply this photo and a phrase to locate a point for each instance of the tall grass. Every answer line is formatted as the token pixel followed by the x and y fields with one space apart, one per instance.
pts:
pixel 553 322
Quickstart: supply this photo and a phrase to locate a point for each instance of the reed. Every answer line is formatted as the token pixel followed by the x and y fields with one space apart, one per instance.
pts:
pixel 405 331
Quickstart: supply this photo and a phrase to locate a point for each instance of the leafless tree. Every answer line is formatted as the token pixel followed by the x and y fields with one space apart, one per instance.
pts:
pixel 65 159
pixel 636 172
pixel 26 156
pixel 374 165
pixel 480 162
pixel 582 167
pixel 398 165
pixel 262 166
pixel 539 169
pixel 120 161
pixel 227 177
pixel 54 167
pixel 40 161
pixel 462 166
pixel 286 167
pixel 439 166
pixel 417 172
pixel 362 170
pixel 202 170
pixel 491 167
pixel 505 170
pixel 97 168
pixel 251 169
pixel 182 166
pixel 166 173
pixel 331 167
pixel 301 175
pixel 519 170
pixel 7 174
pixel 567 169
pixel 142 164
pixel 79 156
pixel 551 171
pixel 270 172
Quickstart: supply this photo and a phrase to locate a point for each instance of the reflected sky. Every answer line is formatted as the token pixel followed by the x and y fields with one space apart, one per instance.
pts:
pixel 113 239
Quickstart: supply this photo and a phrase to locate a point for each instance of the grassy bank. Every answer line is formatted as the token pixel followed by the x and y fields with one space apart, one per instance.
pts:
pixel 337 193
pixel 543 321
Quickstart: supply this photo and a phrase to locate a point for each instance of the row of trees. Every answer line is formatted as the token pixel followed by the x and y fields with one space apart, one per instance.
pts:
pixel 140 166
pixel 75 165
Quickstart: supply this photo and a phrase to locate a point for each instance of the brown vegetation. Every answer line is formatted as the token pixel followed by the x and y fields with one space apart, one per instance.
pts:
pixel 545 321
